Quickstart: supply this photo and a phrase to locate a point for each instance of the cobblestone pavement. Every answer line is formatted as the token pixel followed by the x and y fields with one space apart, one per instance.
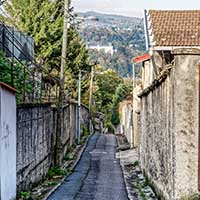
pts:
pixel 98 174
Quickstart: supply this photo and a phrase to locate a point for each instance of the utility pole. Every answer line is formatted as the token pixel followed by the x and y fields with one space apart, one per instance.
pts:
pixel 133 106
pixel 58 151
pixel 91 89
pixel 90 98
pixel 134 78
pixel 79 108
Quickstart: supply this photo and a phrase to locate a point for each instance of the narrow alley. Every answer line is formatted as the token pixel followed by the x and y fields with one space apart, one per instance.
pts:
pixel 98 174
pixel 99 100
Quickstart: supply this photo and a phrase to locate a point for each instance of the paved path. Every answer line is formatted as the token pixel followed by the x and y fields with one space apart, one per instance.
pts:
pixel 97 176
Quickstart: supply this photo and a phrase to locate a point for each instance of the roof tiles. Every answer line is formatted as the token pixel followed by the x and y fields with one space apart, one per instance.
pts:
pixel 175 28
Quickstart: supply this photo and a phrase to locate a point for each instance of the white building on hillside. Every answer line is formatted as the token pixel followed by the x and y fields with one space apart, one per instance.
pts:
pixel 107 49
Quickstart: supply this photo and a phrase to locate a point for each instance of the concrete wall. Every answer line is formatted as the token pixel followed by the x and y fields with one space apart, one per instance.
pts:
pixel 36 136
pixel 126 120
pixel 136 116
pixel 130 118
pixel 169 128
pixel 7 144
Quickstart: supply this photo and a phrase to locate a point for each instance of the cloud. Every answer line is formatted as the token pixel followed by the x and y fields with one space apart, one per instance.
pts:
pixel 132 7
pixel 106 6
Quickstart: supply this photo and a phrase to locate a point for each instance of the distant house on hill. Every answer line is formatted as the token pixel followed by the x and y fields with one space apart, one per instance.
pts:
pixel 92 18
pixel 170 103
pixel 106 49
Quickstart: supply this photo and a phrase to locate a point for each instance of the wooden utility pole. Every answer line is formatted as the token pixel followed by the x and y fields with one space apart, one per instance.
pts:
pixel 79 109
pixel 91 89
pixel 133 105
pixel 90 98
pixel 58 151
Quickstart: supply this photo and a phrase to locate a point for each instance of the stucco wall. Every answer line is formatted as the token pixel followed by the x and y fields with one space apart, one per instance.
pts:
pixel 126 120
pixel 186 121
pixel 7 144
pixel 36 136
pixel 169 129
pixel 136 115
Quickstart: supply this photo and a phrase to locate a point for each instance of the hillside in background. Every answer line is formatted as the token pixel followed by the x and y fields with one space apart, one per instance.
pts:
pixel 124 35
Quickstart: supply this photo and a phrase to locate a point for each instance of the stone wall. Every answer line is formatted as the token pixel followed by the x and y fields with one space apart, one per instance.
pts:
pixel 36 134
pixel 136 116
pixel 126 120
pixel 169 128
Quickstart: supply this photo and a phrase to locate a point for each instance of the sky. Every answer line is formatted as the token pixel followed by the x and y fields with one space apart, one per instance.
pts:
pixel 132 7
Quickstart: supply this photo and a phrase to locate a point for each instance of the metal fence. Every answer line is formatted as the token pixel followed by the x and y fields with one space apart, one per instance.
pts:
pixel 16 44
pixel 19 69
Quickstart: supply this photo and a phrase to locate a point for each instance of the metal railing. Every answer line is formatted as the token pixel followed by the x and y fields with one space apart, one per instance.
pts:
pixel 24 71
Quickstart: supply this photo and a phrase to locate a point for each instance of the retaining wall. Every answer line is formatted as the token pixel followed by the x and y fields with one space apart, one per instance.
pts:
pixel 36 135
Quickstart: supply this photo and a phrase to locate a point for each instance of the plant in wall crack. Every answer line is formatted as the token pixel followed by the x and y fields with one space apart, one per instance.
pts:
pixel 135 163
pixel 68 157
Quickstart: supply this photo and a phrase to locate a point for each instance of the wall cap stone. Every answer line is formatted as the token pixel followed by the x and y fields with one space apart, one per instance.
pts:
pixel 186 51
pixel 31 105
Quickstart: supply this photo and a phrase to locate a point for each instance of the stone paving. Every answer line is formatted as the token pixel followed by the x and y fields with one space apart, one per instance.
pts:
pixel 97 176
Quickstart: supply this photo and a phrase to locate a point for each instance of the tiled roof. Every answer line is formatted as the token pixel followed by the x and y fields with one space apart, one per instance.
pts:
pixel 175 28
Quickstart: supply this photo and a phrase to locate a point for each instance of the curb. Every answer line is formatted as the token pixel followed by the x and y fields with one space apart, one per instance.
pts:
pixel 72 168
pixel 122 167
pixel 126 183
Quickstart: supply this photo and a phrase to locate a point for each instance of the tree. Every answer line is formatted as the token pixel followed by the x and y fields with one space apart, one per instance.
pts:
pixel 21 75
pixel 43 20
pixel 106 83
pixel 123 90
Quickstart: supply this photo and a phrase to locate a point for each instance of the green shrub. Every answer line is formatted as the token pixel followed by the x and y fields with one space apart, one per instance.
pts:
pixel 68 157
pixel 110 127
pixel 85 131
pixel 192 197
pixel 57 171
pixel 52 184
pixel 135 163
pixel 25 196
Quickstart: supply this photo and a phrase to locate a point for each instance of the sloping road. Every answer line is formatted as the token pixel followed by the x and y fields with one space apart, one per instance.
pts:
pixel 98 175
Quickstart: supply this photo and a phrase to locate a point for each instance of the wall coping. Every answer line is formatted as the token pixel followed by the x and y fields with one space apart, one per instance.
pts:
pixel 157 81
pixel 186 51
pixel 31 105
pixel 8 87
pixel 76 102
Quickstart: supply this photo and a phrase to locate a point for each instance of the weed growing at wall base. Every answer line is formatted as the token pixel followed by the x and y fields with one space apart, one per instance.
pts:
pixel 57 171
pixel 192 197
pixel 25 196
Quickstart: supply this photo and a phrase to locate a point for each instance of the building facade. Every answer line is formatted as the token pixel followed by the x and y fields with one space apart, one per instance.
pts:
pixel 169 132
